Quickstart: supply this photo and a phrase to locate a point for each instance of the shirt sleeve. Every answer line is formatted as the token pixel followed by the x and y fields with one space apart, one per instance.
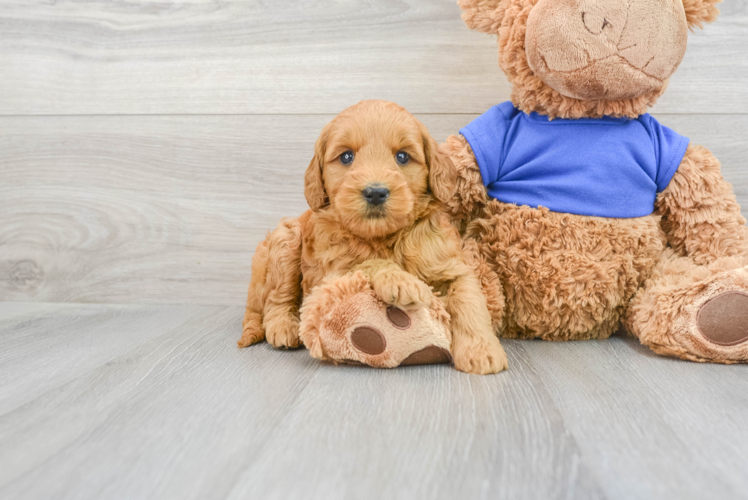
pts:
pixel 486 136
pixel 670 148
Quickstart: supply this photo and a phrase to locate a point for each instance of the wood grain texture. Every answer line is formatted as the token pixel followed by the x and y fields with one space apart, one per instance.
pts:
pixel 673 429
pixel 426 432
pixel 303 56
pixel 33 337
pixel 172 418
pixel 185 414
pixel 170 209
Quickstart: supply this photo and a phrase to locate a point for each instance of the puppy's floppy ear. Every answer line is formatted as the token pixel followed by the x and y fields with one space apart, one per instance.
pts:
pixel 700 11
pixel 314 185
pixel 483 15
pixel 442 172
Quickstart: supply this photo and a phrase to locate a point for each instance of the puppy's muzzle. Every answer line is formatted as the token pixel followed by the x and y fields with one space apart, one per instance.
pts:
pixel 375 194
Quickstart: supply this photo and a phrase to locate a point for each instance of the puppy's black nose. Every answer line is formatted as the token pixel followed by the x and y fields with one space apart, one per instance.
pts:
pixel 376 195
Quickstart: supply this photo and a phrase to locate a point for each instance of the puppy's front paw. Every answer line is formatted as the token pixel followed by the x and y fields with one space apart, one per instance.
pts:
pixel 403 290
pixel 478 355
pixel 283 332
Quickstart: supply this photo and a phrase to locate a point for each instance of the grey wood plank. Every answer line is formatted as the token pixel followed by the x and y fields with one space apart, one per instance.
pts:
pixel 187 415
pixel 48 345
pixel 238 56
pixel 176 417
pixel 649 426
pixel 194 194
pixel 423 432
pixel 12 313
pixel 170 209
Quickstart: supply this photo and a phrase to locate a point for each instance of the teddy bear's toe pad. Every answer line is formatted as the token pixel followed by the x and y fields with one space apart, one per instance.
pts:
pixel 398 318
pixel 723 320
pixel 368 340
pixel 431 355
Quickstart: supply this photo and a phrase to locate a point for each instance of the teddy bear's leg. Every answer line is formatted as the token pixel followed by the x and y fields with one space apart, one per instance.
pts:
pixel 694 312
pixel 343 320
pixel 695 304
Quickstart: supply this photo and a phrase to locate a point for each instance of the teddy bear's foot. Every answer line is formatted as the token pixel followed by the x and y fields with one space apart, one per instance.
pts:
pixel 723 320
pixel 702 316
pixel 346 322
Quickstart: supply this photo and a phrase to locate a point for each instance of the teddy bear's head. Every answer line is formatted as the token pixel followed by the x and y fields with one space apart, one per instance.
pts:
pixel 588 58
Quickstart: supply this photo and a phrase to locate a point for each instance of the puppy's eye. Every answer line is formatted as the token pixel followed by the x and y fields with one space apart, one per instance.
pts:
pixel 347 158
pixel 402 158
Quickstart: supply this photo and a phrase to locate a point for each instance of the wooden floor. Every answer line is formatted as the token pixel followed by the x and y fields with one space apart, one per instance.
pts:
pixel 132 401
pixel 146 147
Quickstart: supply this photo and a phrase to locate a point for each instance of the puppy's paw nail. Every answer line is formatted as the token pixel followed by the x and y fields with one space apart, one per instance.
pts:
pixel 481 358
pixel 284 333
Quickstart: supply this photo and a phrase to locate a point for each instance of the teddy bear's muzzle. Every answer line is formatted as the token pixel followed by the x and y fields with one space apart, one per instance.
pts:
pixel 612 49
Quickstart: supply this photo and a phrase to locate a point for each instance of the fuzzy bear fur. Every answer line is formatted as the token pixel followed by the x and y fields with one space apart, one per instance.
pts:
pixel 571 277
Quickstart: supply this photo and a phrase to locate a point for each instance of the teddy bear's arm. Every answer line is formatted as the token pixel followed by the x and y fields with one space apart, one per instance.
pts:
pixel 470 195
pixel 700 214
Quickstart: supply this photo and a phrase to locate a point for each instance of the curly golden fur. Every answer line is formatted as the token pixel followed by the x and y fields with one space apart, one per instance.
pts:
pixel 405 245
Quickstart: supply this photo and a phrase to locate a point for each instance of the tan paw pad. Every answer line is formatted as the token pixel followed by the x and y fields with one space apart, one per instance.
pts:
pixel 368 340
pixel 723 320
pixel 398 318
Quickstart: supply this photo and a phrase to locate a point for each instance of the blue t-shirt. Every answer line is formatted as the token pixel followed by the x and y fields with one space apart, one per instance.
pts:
pixel 605 167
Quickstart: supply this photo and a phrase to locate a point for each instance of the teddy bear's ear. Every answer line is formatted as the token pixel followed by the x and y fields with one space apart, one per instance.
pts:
pixel 699 12
pixel 482 15
pixel 314 186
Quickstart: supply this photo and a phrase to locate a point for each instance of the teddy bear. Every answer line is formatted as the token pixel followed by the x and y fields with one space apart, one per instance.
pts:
pixel 592 214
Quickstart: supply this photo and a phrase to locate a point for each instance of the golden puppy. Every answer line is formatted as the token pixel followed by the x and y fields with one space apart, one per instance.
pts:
pixel 376 187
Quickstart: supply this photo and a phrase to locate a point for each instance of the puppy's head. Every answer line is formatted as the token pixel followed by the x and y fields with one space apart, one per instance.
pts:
pixel 378 169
